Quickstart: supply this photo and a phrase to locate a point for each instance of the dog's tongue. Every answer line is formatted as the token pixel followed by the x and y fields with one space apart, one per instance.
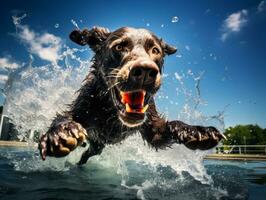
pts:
pixel 133 98
pixel 134 101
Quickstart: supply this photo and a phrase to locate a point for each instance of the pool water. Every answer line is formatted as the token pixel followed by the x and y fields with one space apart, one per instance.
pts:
pixel 227 180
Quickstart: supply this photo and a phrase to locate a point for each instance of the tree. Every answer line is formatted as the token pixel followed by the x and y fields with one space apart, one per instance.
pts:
pixel 245 135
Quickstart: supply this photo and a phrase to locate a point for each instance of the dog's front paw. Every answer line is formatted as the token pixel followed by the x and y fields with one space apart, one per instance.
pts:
pixel 61 139
pixel 202 138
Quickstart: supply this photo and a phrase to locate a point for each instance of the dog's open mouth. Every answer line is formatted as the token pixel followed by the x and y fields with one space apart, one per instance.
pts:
pixel 132 106
pixel 134 101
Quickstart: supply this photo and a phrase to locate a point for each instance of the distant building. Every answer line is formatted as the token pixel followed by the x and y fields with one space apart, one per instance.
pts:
pixel 7 128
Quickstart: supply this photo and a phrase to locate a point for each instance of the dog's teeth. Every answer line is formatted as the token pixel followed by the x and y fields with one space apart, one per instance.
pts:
pixel 122 94
pixel 143 110
pixel 128 109
pixel 144 92
pixel 143 98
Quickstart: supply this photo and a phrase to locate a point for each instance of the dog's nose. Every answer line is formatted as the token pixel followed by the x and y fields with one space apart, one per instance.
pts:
pixel 145 75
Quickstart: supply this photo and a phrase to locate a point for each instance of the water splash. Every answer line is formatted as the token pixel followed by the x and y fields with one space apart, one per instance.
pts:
pixel 75 24
pixel 175 19
pixel 35 93
pixel 17 20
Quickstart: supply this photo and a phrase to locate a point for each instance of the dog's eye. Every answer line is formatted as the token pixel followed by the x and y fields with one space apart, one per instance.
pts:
pixel 118 47
pixel 155 50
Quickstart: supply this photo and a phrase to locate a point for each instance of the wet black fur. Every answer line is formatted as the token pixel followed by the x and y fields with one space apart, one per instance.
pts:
pixel 95 110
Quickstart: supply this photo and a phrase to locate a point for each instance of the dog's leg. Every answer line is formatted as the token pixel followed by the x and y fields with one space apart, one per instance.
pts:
pixel 194 137
pixel 63 136
pixel 160 133
pixel 94 149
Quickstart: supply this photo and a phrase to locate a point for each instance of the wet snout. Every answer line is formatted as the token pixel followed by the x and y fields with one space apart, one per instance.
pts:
pixel 143 73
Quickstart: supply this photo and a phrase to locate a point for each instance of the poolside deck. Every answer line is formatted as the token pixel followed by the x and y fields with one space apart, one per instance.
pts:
pixel 243 157
pixel 4 143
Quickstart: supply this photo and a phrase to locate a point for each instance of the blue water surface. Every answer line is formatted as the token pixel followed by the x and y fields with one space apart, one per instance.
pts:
pixel 230 180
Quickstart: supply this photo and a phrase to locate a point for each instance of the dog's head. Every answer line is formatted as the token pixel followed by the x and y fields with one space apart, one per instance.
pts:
pixel 130 61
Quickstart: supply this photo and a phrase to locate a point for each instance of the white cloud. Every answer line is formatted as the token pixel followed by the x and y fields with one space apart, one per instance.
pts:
pixel 261 6
pixel 5 63
pixel 233 23
pixel 46 46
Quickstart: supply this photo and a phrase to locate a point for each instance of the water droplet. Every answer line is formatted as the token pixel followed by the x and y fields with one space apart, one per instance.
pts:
pixel 148 24
pixel 162 25
pixel 187 48
pixel 56 25
pixel 75 23
pixel 175 19
pixel 17 20
pixel 178 77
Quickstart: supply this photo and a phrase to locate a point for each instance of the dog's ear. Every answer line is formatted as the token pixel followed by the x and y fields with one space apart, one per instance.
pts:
pixel 168 49
pixel 94 37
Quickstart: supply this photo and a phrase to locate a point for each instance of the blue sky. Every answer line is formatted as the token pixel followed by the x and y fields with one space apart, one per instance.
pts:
pixel 225 39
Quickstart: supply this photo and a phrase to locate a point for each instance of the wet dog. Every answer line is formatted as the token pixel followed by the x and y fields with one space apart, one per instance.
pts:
pixel 117 98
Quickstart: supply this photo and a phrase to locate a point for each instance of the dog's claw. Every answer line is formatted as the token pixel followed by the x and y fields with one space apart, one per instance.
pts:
pixel 223 136
pixel 199 136
pixel 43 154
pixel 56 140
pixel 213 136
pixel 84 132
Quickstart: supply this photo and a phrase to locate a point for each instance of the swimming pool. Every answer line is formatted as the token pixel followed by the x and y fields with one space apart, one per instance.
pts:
pixel 227 180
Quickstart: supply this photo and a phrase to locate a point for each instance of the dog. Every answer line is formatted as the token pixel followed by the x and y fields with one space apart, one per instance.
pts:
pixel 117 98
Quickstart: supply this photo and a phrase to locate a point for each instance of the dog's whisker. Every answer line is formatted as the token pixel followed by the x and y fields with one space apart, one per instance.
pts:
pixel 113 85
pixel 115 73
pixel 113 76
pixel 115 69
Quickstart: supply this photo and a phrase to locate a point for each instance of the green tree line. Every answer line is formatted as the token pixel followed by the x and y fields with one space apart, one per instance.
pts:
pixel 245 135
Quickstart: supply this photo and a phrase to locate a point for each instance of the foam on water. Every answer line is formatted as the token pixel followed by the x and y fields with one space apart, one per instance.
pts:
pixel 34 93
